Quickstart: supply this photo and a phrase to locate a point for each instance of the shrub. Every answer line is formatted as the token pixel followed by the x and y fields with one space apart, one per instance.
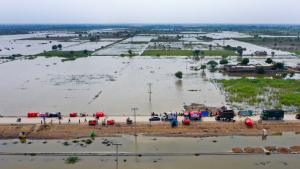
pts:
pixel 261 70
pixel 72 160
pixel 178 74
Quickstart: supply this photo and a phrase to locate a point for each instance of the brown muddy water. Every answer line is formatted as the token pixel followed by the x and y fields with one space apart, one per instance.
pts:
pixel 147 144
pixel 216 162
pixel 144 144
pixel 110 84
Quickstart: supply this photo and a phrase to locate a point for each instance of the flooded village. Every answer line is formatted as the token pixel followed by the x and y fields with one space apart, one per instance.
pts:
pixel 149 95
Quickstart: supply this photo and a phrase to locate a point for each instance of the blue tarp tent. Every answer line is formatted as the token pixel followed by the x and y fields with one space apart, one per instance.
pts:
pixel 205 113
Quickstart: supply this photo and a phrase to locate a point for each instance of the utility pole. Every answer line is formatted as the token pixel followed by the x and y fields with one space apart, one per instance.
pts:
pixel 150 84
pixel 117 146
pixel 134 109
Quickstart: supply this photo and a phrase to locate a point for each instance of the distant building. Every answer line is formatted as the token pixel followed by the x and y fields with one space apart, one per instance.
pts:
pixel 261 53
pixel 249 68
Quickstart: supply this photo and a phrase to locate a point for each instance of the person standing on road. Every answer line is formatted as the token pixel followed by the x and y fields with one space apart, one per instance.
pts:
pixel 85 120
pixel 51 121
pixel 79 121
pixel 69 121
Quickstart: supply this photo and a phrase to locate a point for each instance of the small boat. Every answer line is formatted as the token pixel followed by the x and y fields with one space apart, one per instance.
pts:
pixel 248 121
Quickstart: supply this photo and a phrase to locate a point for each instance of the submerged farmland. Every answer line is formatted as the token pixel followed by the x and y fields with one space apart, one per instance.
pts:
pixel 264 93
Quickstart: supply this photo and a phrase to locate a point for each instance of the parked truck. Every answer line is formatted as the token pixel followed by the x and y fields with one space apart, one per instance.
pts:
pixel 272 113
pixel 225 115
pixel 169 116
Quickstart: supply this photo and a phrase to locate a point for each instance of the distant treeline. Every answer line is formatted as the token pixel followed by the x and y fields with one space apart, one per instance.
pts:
pixel 284 29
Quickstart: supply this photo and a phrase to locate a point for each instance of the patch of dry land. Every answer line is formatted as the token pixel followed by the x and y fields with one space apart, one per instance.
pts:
pixel 197 129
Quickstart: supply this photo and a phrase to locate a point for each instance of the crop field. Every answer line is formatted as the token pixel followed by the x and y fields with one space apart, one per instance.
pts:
pixel 262 92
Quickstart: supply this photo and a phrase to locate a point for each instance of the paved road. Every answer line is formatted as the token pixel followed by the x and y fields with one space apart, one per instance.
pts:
pixel 37 120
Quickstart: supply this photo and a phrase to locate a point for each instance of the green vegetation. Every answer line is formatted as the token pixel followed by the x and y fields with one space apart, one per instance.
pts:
pixel 69 55
pixel 279 65
pixel 212 63
pixel 269 60
pixel 284 74
pixel 269 39
pixel 186 53
pixel 223 61
pixel 272 93
pixel 261 70
pixel 203 67
pixel 294 51
pixel 178 74
pixel 245 61
pixel 72 160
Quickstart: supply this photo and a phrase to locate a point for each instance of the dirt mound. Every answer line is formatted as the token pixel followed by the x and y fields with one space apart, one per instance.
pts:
pixel 270 148
pixel 237 150
pixel 283 150
pixel 249 150
pixel 258 150
pixel 295 148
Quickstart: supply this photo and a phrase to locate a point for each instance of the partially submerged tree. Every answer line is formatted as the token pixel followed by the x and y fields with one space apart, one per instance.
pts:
pixel 292 73
pixel 245 61
pixel 223 61
pixel 284 74
pixel 197 52
pixel 273 53
pixel 130 52
pixel 203 67
pixel 178 74
pixel 54 47
pixel 59 46
pixel 212 63
pixel 240 51
pixel 269 60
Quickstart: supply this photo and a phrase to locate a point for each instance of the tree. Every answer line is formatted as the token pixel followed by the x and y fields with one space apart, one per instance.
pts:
pixel 59 46
pixel 85 51
pixel 212 63
pixel 203 67
pixel 273 53
pixel 80 35
pixel 279 65
pixel 158 55
pixel 292 73
pixel 245 61
pixel 275 45
pixel 130 52
pixel 223 61
pixel 54 47
pixel 210 46
pixel 178 74
pixel 240 51
pixel 224 56
pixel 92 39
pixel 269 60
pixel 284 74
pixel 197 52
pixel 72 52
pixel 47 36
pixel 261 70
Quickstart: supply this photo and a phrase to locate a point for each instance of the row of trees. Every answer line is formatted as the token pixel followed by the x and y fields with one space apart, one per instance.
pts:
pixel 54 47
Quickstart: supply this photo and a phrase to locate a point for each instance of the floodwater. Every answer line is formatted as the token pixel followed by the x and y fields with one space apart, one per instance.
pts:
pixel 31 85
pixel 144 144
pixel 48 85
pixel 160 162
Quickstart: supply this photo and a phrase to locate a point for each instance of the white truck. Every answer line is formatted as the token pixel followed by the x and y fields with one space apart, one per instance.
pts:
pixel 169 116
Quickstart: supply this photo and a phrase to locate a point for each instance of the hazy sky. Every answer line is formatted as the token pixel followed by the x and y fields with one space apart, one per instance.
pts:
pixel 150 11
